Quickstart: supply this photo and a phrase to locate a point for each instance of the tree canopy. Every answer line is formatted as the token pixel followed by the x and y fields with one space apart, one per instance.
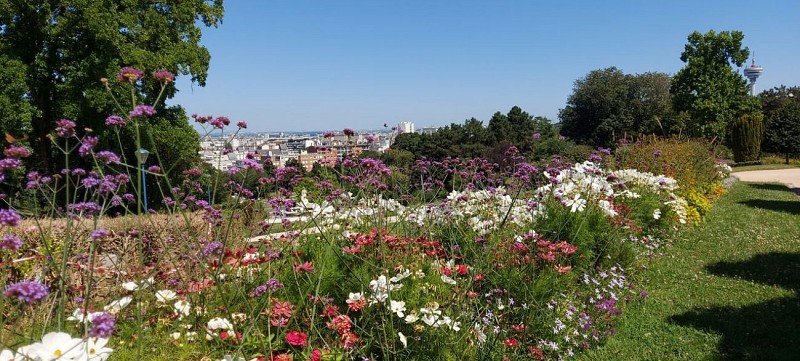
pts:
pixel 53 54
pixel 781 107
pixel 708 87
pixel 608 104
pixel 473 139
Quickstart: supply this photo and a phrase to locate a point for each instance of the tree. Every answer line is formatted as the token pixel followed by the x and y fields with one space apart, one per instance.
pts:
pixel 608 104
pixel 650 104
pixel 708 88
pixel 54 53
pixel 596 110
pixel 781 107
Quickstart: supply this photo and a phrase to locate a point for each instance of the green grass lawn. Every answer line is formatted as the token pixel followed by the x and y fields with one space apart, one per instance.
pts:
pixel 728 289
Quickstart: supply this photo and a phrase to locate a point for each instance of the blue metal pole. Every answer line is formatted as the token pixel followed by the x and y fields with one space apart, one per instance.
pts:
pixel 144 189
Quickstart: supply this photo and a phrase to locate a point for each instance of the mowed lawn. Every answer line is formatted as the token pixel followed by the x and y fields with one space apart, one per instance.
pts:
pixel 728 289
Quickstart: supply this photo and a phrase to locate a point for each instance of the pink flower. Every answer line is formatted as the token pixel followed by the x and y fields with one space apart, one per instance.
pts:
pixel 130 74
pixel 307 267
pixel 296 338
pixel 163 76
pixel 242 125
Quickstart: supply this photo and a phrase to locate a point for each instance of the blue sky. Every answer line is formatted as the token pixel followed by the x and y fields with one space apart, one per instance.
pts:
pixel 326 65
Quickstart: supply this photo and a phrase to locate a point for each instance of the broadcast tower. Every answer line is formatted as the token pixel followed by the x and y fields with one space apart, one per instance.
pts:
pixel 752 72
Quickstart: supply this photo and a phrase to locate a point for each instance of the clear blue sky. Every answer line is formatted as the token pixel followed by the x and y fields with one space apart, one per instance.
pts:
pixel 326 65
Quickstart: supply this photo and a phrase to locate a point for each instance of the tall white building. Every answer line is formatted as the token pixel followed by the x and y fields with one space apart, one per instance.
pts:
pixel 405 127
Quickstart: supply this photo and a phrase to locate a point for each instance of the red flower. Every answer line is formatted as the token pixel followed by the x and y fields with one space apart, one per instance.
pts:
pixel 316 355
pixel 536 353
pixel 511 342
pixel 462 270
pixel 296 338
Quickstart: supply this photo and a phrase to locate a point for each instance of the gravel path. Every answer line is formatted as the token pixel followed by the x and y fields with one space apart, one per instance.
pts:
pixel 789 177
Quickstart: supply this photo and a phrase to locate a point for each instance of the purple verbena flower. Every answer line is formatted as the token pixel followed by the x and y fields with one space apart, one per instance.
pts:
pixel 163 76
pixel 102 325
pixel 87 143
pixel 65 128
pixel 14 151
pixel 100 233
pixel 26 291
pixel 274 284
pixel 130 74
pixel 116 120
pixel 258 291
pixel 211 248
pixel 87 208
pixel 107 157
pixel 536 135
pixel 242 125
pixel 142 111
pixel 154 169
pixel 9 163
pixel 193 172
pixel 10 242
pixel 9 217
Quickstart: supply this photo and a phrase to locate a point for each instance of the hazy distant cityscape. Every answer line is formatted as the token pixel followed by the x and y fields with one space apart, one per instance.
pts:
pixel 224 152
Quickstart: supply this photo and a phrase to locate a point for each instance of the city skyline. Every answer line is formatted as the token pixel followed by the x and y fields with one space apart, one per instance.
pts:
pixel 302 65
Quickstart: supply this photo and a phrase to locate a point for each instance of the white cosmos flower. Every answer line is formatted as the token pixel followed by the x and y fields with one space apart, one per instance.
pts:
pixel 8 355
pixel 96 350
pixel 400 276
pixel 657 213
pixel 576 203
pixel 403 339
pixel 397 307
pixel 165 295
pixel 479 335
pixel 220 323
pixel 133 286
pixel 117 305
pixel 54 345
pixel 77 315
pixel 354 297
pixel 182 308
pixel 130 286
pixel 411 318
pixel 448 280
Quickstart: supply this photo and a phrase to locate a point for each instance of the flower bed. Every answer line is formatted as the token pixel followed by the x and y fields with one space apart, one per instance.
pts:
pixel 472 261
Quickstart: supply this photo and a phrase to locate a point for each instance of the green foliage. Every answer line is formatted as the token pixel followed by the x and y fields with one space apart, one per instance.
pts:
pixel 472 139
pixel 781 107
pixel 708 88
pixel 746 134
pixel 56 52
pixel 607 105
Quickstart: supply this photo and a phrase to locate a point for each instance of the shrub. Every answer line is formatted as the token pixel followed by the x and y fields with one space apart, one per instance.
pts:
pixel 746 133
